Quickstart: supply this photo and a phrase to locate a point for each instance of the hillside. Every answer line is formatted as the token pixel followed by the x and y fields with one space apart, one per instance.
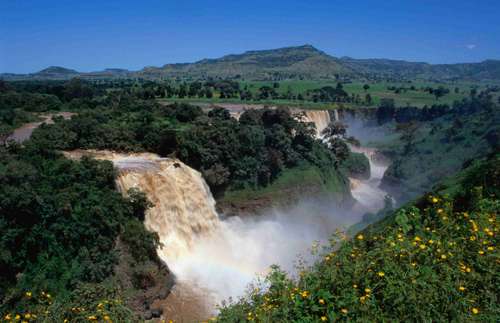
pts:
pixel 299 62
pixel 283 63
pixel 433 260
pixel 486 70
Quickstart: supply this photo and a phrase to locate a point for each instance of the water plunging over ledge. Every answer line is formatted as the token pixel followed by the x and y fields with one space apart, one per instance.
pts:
pixel 213 258
pixel 368 193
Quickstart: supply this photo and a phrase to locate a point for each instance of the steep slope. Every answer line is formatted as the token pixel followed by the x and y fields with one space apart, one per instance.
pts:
pixel 434 260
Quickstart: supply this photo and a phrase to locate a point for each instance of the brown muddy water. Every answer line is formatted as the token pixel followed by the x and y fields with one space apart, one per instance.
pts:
pixel 24 132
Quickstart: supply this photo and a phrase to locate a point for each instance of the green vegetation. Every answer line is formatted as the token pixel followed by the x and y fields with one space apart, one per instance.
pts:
pixel 60 223
pixel 323 94
pixel 433 260
pixel 429 151
pixel 250 153
pixel 293 183
pixel 357 166
pixel 72 248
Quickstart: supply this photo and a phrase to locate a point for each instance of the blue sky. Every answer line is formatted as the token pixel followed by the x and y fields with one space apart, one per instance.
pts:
pixel 91 35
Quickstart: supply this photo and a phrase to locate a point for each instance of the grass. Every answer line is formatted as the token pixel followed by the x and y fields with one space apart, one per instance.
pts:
pixel 303 177
pixel 377 90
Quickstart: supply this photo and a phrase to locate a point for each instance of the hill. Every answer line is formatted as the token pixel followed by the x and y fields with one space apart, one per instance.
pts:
pixel 283 63
pixel 486 70
pixel 299 62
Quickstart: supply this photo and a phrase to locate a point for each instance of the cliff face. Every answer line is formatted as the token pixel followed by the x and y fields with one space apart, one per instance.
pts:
pixel 292 187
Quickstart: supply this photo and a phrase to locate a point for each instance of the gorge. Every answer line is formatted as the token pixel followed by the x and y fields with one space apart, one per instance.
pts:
pixel 215 257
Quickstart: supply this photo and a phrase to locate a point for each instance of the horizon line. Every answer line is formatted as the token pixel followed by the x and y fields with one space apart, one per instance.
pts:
pixel 250 51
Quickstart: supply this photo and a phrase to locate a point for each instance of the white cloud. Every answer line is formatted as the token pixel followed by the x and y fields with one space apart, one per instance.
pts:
pixel 470 46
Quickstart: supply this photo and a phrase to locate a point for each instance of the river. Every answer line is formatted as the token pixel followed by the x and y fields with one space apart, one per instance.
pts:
pixel 24 132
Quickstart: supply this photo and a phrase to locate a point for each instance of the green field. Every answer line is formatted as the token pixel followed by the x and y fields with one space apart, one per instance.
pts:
pixel 378 90
pixel 412 94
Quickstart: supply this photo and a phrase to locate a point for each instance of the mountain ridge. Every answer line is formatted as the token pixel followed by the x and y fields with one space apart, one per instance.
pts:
pixel 293 62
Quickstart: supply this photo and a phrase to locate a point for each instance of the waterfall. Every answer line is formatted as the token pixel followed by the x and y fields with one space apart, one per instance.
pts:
pixel 183 207
pixel 213 259
pixel 336 115
pixel 320 118
pixel 368 192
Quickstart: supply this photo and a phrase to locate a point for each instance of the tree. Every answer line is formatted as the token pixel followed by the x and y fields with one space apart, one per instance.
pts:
pixel 366 87
pixel 385 112
pixel 139 203
pixel 408 131
pixel 4 133
pixel 368 99
pixel 182 91
pixel 335 129
pixel 339 149
pixel 219 113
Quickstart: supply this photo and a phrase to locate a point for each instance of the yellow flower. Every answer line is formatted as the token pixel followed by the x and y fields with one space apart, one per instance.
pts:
pixel 435 200
pixel 362 299
pixel 461 288
pixel 18 317
pixel 327 258
pixel 417 238
pixel 28 294
pixel 92 318
pixel 304 294
pixel 360 237
pixel 323 318
pixel 381 274
pixel 480 252
pixel 344 310
pixel 367 290
pixel 27 316
pixel 422 246
pixel 443 256
pixel 7 317
pixel 440 211
pixel 490 248
pixel 321 301
pixel 106 318
pixel 475 310
pixel 355 286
